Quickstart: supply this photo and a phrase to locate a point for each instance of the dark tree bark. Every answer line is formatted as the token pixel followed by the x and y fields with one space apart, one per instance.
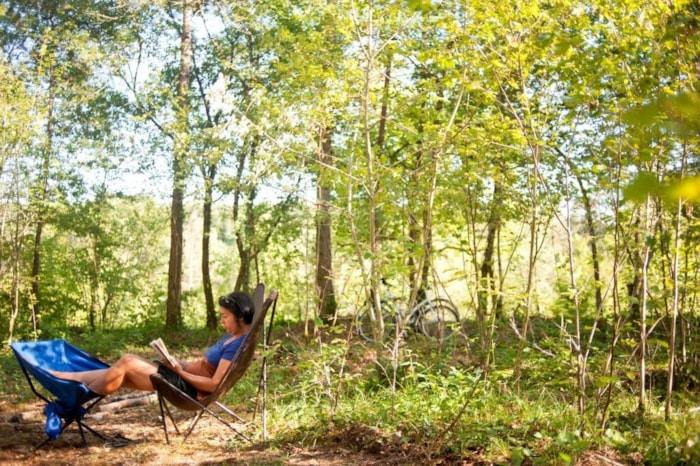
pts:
pixel 487 279
pixel 173 316
pixel 246 243
pixel 212 320
pixel 41 211
pixel 243 198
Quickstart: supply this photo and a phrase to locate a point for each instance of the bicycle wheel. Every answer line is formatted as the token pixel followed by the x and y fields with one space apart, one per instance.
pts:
pixel 364 321
pixel 438 318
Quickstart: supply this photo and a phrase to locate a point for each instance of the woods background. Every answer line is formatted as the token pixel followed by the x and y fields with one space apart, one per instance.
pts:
pixel 528 161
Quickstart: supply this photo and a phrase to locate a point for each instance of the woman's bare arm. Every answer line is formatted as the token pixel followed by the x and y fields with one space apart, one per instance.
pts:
pixel 202 383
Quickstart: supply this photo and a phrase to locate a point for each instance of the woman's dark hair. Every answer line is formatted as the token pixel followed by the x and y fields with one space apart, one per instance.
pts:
pixel 239 304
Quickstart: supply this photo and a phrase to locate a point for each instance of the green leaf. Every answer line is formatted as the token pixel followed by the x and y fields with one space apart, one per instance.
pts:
pixel 420 5
pixel 544 39
pixel 643 115
pixel 642 186
pixel 562 46
pixel 686 104
pixel 601 382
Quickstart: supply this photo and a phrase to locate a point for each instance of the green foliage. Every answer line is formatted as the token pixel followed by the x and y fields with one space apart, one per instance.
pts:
pixel 328 391
pixel 538 425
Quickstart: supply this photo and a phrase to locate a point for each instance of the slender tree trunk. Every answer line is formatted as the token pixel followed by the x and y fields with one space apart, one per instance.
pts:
pixel 36 269
pixel 247 243
pixel 243 207
pixel 471 209
pixel 174 303
pixel 173 317
pixel 617 262
pixel 643 316
pixel 415 232
pixel 16 258
pixel 676 293
pixel 428 199
pixel 243 276
pixel 373 292
pixel 414 240
pixel 93 283
pixel 325 293
pixel 530 282
pixel 674 312
pixel 210 173
pixel 427 260
pixel 487 283
pixel 592 242
pixel 41 209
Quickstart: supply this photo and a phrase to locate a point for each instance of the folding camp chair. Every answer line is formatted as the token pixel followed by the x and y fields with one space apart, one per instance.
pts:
pixel 242 358
pixel 73 400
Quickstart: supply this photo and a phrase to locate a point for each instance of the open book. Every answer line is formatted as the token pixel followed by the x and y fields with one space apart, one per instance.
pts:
pixel 159 346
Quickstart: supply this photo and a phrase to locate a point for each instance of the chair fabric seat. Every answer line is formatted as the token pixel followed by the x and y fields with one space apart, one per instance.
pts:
pixel 36 359
pixel 177 398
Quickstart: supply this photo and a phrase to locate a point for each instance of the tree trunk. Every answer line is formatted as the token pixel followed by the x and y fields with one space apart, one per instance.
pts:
pixel 245 236
pixel 643 311
pixel 243 276
pixel 325 292
pixel 93 283
pixel 415 268
pixel 674 312
pixel 41 211
pixel 245 242
pixel 212 320
pixel 16 259
pixel 414 239
pixel 676 297
pixel 592 241
pixel 487 282
pixel 372 184
pixel 173 316
pixel 530 283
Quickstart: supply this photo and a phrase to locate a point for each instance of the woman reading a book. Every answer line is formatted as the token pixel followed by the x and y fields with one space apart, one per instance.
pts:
pixel 193 377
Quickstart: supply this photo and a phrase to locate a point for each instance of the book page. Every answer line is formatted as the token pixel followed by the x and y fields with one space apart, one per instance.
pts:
pixel 160 347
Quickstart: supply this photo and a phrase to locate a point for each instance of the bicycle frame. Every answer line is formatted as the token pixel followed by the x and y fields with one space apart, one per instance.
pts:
pixel 442 318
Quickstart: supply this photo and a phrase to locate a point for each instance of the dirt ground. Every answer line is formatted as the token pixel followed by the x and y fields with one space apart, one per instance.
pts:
pixel 211 443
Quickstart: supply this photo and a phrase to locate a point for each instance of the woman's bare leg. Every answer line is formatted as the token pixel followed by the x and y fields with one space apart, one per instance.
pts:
pixel 130 371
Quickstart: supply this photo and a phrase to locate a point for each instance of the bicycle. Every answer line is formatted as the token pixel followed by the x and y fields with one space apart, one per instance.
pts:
pixel 435 318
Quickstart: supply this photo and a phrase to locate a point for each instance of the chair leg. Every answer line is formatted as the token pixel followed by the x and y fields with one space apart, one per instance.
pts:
pixel 230 413
pixel 81 424
pixel 162 416
pixel 220 419
pixel 64 424
pixel 82 434
pixel 170 415
pixel 194 422
pixel 44 442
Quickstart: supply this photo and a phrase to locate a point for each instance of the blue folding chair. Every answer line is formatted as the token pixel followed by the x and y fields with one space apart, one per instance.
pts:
pixel 73 400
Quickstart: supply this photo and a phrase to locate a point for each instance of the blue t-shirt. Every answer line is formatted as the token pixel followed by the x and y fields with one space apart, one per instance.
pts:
pixel 219 350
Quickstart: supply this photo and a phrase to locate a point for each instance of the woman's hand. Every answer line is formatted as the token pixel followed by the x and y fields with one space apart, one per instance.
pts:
pixel 177 367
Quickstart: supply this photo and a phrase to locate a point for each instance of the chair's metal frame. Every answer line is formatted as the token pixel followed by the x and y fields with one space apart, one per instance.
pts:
pixel 164 409
pixel 73 416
